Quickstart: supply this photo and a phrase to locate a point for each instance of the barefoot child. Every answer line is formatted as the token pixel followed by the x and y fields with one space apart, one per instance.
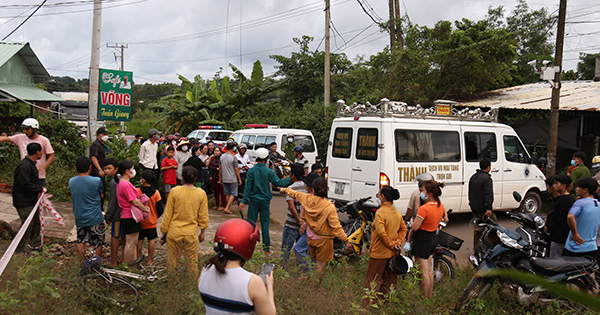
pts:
pixel 156 207
pixel 113 212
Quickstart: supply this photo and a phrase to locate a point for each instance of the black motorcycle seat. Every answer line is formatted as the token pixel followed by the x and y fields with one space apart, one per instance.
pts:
pixel 562 264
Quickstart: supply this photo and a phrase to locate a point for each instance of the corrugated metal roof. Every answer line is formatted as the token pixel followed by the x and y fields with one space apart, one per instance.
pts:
pixel 9 49
pixel 28 93
pixel 574 95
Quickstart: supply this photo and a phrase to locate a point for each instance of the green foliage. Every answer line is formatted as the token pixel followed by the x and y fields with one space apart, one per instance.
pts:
pixel 217 101
pixel 585 299
pixel 16 109
pixel 303 72
pixel 586 67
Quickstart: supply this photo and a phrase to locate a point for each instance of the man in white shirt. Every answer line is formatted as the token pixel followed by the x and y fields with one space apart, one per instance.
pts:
pixel 147 155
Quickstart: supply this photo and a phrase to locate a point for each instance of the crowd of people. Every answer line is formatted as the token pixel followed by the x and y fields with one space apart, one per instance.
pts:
pixel 192 171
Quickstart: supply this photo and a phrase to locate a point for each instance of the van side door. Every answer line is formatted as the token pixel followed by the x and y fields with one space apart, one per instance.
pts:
pixel 479 143
pixel 517 172
pixel 366 166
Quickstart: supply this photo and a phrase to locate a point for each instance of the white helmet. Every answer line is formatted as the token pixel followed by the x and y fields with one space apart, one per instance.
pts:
pixel 30 123
pixel 262 153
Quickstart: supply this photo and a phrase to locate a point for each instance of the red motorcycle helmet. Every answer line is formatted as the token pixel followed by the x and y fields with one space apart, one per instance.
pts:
pixel 237 236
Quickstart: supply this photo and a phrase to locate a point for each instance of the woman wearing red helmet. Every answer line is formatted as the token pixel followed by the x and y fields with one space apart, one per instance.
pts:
pixel 225 287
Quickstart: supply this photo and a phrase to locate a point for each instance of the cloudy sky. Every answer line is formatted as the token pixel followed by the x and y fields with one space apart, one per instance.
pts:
pixel 189 37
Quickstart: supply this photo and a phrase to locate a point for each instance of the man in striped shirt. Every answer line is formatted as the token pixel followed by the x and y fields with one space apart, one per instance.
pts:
pixel 291 229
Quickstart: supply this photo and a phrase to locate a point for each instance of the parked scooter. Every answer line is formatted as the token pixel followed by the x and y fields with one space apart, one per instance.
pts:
pixel 357 227
pixel 522 250
pixel 442 266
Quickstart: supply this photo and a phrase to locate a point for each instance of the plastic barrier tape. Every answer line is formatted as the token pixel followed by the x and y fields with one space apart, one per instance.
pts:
pixel 13 245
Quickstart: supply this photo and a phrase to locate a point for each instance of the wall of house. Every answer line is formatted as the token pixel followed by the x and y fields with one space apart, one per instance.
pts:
pixel 14 71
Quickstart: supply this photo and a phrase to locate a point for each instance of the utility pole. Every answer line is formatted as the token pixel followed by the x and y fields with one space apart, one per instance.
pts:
pixel 392 25
pixel 122 57
pixel 327 70
pixel 94 70
pixel 554 107
pixel 399 38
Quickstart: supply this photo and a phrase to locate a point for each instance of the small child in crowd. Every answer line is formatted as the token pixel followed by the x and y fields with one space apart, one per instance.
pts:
pixel 86 192
pixel 113 212
pixel 156 210
pixel 169 168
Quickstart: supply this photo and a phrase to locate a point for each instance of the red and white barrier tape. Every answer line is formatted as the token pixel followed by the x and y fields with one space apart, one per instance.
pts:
pixel 47 205
pixel 42 204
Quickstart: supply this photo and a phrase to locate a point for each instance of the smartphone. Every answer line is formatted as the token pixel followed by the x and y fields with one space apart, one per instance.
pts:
pixel 266 270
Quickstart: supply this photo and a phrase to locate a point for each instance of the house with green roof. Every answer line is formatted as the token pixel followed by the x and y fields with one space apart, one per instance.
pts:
pixel 20 70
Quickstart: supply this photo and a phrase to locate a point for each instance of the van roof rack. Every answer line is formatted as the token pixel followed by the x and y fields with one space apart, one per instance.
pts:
pixel 443 109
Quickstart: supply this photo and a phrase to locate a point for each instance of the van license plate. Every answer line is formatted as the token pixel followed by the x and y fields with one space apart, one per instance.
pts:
pixel 339 188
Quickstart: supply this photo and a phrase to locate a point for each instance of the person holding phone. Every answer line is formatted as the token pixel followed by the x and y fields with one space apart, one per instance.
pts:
pixel 226 287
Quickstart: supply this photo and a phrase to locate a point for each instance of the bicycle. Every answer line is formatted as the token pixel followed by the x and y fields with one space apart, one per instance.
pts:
pixel 107 283
pixel 101 284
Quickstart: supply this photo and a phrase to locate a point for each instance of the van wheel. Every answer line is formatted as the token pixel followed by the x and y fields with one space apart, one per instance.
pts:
pixel 532 203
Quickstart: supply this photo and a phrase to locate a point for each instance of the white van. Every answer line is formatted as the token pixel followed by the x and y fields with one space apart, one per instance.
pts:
pixel 260 136
pixel 392 143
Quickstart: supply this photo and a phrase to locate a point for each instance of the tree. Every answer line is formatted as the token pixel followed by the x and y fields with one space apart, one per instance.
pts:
pixel 303 72
pixel 532 30
pixel 586 67
pixel 447 61
pixel 215 102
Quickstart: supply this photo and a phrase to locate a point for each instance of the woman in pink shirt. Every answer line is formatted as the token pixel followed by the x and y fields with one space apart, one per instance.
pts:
pixel 127 195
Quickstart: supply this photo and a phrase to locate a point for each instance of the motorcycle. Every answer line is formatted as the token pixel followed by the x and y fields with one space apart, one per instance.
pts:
pixel 442 266
pixel 523 249
pixel 357 227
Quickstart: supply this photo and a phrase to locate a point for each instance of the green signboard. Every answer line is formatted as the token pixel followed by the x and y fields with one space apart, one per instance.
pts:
pixel 114 95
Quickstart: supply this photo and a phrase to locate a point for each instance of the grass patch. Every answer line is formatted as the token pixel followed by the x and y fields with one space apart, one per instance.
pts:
pixel 44 284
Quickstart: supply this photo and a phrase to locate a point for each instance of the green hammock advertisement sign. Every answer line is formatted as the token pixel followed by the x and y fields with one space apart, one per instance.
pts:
pixel 114 95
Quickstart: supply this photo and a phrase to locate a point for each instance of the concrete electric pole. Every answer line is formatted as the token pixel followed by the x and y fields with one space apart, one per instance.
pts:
pixel 122 56
pixel 554 105
pixel 327 70
pixel 94 70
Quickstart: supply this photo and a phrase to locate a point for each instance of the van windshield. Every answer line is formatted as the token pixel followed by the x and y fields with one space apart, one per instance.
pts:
pixel 424 145
pixel 219 135
pixel 305 141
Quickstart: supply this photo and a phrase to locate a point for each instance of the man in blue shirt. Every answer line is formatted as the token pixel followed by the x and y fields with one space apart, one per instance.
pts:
pixel 583 220
pixel 86 192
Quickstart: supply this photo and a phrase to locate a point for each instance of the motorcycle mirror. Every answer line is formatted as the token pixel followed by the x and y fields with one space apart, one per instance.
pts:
pixel 517 196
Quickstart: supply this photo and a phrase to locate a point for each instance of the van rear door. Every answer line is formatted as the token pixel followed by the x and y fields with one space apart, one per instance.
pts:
pixel 339 161
pixel 481 143
pixel 366 166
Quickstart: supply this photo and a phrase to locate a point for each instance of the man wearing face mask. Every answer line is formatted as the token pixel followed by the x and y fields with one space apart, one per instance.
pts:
pixel 579 169
pixel 147 154
pixel 481 197
pixel 289 147
pixel 98 153
pixel 30 127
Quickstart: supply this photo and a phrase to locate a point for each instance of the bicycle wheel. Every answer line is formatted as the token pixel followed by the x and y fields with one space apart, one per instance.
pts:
pixel 112 289
pixel 442 269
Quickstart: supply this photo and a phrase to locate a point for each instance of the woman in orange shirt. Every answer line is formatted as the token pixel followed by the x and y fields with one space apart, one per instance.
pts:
pixel 422 237
pixel 388 233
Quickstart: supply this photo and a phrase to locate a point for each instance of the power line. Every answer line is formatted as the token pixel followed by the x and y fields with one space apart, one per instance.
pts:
pixel 32 13
pixel 57 4
pixel 84 10
pixel 367 12
pixel 302 10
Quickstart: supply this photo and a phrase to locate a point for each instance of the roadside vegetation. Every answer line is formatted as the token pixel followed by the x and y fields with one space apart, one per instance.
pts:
pixel 48 283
